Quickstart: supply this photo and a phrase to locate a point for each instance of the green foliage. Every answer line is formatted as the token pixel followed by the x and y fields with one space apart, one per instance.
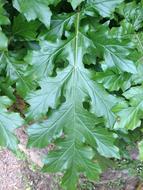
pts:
pixel 78 67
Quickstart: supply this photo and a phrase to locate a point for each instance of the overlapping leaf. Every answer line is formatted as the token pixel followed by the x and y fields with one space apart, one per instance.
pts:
pixel 129 117
pixel 114 81
pixel 8 123
pixel 33 9
pixel 133 13
pixel 70 119
pixel 17 72
pixel 104 7
pixel 115 53
pixel 4 20
pixel 28 32
pixel 59 24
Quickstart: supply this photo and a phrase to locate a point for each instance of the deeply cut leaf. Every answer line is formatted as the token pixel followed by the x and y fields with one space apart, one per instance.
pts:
pixel 71 120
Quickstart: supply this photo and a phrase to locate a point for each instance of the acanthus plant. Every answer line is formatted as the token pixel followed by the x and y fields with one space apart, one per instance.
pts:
pixel 78 66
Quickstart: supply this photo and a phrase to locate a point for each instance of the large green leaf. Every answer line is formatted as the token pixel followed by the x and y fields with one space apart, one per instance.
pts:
pixel 71 123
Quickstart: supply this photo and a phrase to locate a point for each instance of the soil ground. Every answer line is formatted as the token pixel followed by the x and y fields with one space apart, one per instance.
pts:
pixel 18 174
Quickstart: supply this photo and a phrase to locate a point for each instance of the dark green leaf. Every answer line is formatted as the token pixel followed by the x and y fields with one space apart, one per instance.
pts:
pixel 28 32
